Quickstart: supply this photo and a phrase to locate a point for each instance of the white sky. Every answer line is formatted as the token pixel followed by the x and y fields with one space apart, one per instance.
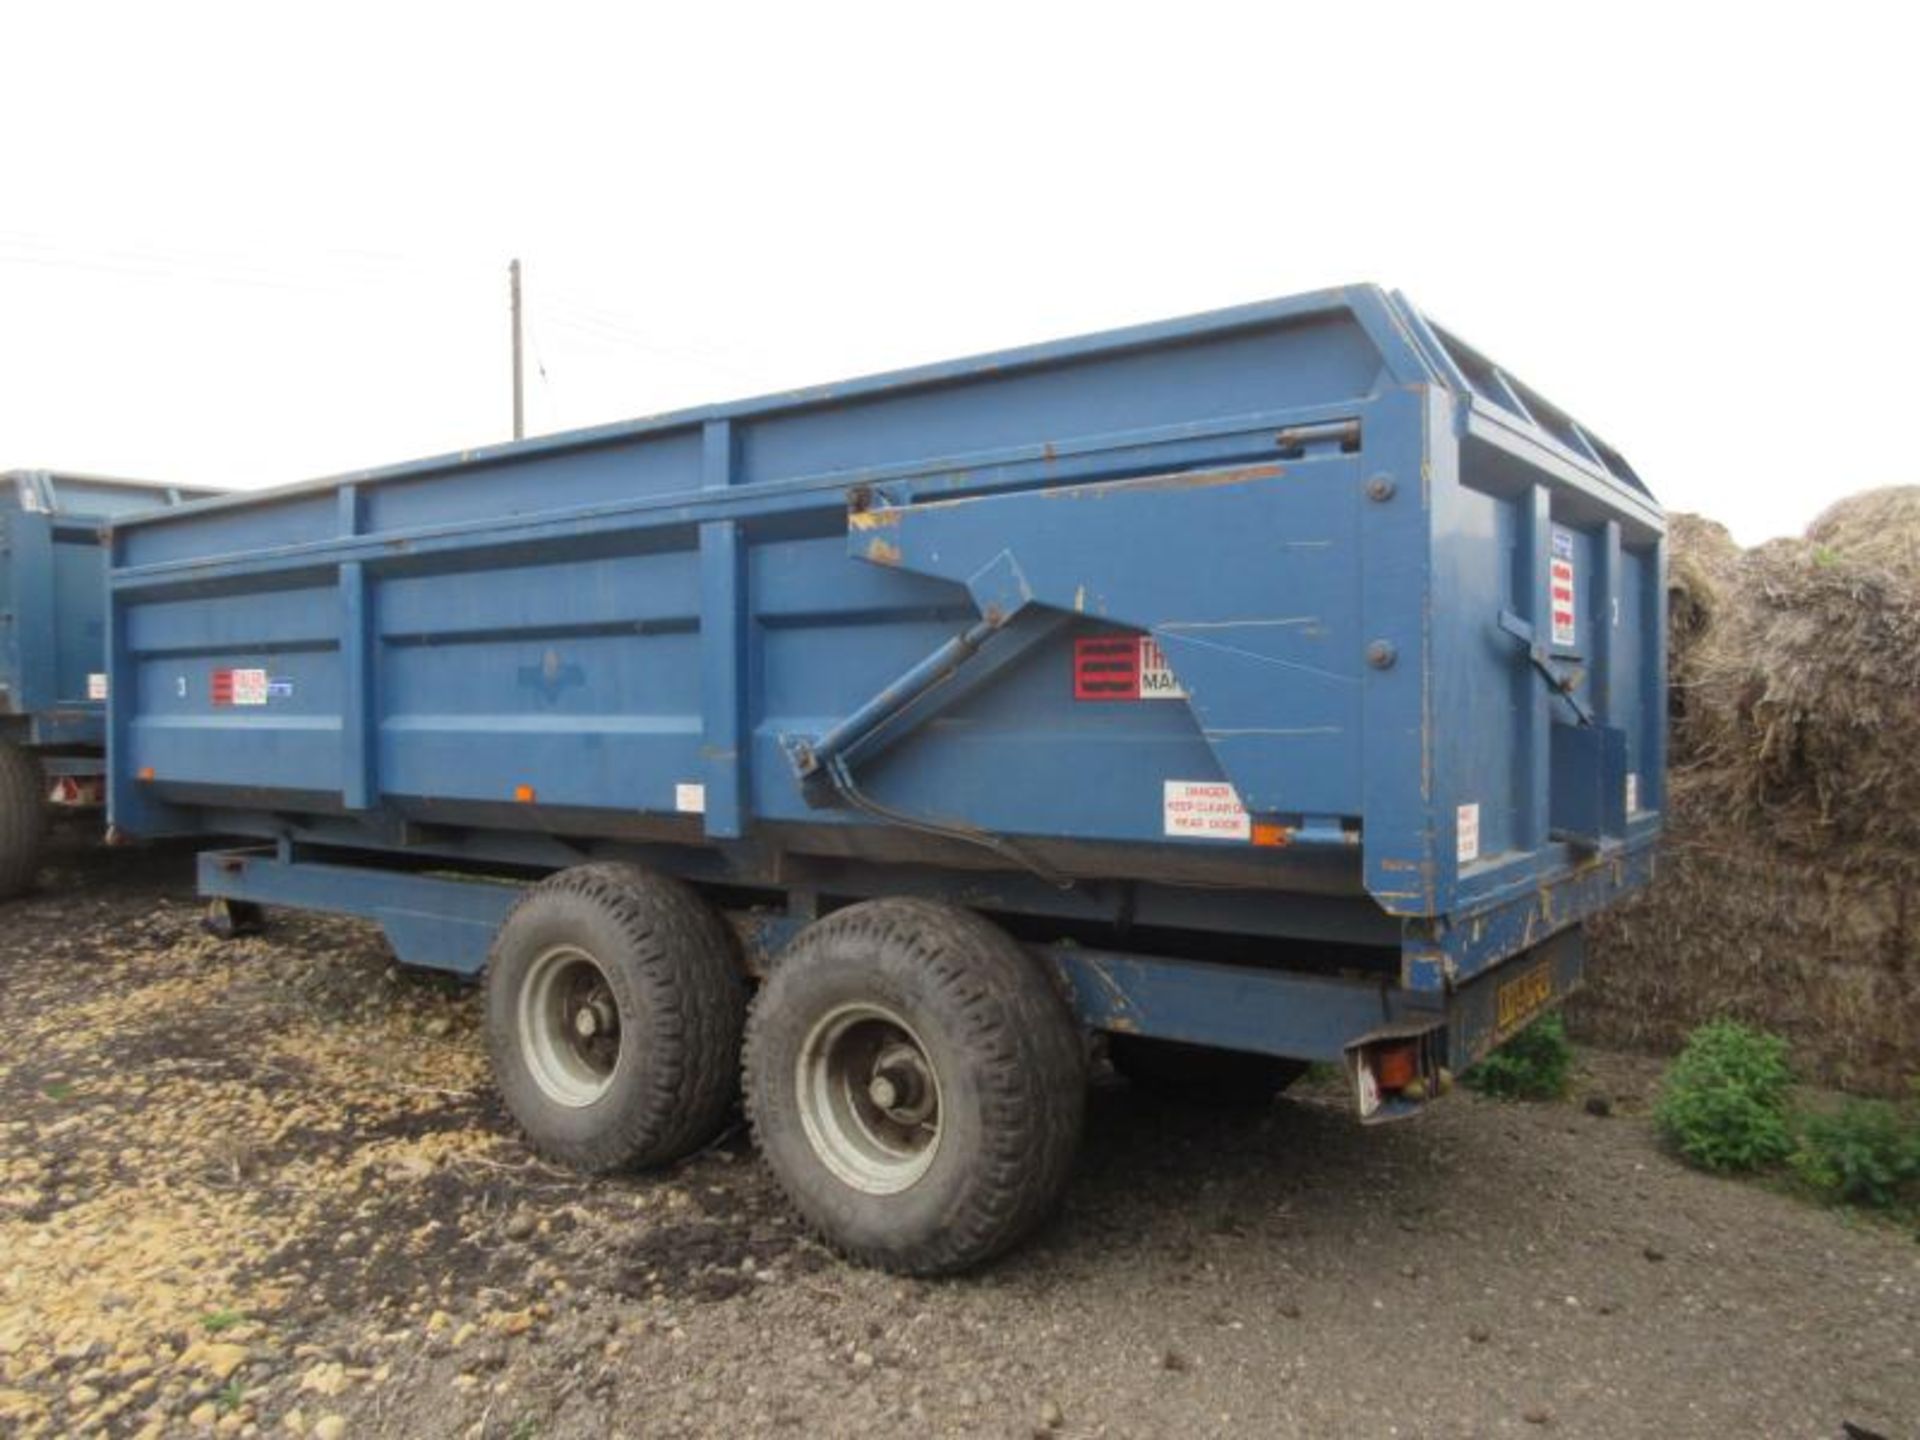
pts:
pixel 250 244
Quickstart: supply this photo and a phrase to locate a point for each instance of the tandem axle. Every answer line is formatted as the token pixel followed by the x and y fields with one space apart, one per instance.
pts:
pixel 1399 1045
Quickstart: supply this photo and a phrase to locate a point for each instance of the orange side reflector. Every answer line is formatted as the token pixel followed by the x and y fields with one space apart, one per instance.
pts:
pixel 524 794
pixel 146 772
pixel 1272 834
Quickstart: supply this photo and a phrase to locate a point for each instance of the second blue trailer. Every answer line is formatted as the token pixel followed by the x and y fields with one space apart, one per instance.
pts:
pixel 53 680
pixel 1277 685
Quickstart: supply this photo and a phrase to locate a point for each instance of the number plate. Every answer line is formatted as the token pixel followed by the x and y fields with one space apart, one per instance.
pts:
pixel 1523 997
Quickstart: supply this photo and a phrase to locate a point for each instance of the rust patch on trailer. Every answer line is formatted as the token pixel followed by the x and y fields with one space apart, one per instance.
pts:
pixel 1117 998
pixel 873 519
pixel 1182 480
pixel 883 552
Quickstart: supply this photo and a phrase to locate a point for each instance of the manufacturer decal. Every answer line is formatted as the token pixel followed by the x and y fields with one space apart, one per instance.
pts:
pixel 1204 810
pixel 690 799
pixel 96 686
pixel 1123 667
pixel 240 687
pixel 1467 834
pixel 1561 583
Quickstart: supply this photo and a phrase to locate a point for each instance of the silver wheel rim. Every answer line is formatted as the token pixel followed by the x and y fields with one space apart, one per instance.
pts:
pixel 869 1099
pixel 569 1026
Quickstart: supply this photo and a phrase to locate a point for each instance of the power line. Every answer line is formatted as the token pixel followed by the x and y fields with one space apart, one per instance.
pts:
pixel 540 369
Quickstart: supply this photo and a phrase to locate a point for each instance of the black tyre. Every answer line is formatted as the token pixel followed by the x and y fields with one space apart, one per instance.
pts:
pixel 916 1085
pixel 615 1005
pixel 1199 1074
pixel 230 919
pixel 23 819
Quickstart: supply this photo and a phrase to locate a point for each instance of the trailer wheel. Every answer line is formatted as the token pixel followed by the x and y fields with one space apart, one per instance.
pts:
pixel 231 919
pixel 1200 1074
pixel 916 1085
pixel 23 818
pixel 615 1005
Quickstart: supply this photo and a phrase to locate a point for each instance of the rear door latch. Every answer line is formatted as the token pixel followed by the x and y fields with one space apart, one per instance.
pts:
pixel 1563 682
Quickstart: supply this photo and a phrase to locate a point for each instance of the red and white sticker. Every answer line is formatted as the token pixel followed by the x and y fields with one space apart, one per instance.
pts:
pixel 1205 810
pixel 239 687
pixel 1123 667
pixel 1560 580
pixel 96 686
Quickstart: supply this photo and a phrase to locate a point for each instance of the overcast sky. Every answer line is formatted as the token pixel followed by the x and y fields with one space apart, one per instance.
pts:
pixel 257 243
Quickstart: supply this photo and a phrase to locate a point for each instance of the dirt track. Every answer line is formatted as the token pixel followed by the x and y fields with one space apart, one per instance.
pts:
pixel 263 1188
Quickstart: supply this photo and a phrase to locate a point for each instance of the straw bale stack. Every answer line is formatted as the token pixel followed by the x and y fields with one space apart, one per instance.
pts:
pixel 1789 885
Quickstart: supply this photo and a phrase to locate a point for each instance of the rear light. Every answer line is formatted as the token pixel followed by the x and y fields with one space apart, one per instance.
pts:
pixel 77 791
pixel 1395 1067
pixel 1395 1075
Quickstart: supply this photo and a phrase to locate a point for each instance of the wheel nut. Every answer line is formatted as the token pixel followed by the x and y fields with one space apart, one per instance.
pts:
pixel 883 1092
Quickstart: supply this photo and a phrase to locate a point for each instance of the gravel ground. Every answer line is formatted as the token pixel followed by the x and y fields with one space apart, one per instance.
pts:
pixel 262 1188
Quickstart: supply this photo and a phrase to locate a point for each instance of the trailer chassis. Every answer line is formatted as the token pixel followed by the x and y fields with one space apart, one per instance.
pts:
pixel 447 921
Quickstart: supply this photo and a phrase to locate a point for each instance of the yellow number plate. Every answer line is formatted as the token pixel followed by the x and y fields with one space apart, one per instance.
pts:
pixel 1522 997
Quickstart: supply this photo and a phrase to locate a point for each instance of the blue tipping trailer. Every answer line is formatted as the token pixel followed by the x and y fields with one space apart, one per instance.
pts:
pixel 52 643
pixel 1275 685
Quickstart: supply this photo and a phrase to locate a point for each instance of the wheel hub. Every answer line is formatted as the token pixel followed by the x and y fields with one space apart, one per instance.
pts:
pixel 595 1017
pixel 869 1098
pixel 569 1026
pixel 902 1085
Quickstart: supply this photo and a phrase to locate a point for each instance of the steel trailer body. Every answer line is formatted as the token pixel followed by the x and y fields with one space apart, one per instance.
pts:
pixel 53 643
pixel 53 600
pixel 1286 676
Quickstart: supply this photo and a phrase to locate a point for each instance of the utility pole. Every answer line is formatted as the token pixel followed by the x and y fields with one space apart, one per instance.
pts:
pixel 519 405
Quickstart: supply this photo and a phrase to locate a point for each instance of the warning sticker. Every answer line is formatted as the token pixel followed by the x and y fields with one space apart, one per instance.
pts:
pixel 1467 834
pixel 690 799
pixel 240 687
pixel 1633 791
pixel 1560 581
pixel 96 686
pixel 1205 810
pixel 1123 667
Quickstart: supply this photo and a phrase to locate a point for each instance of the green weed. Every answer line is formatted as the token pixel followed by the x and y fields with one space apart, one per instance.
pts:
pixel 1724 1104
pixel 1534 1065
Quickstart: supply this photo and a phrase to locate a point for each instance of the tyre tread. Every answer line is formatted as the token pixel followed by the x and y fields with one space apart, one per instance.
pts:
pixel 695 999
pixel 23 819
pixel 1032 1070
